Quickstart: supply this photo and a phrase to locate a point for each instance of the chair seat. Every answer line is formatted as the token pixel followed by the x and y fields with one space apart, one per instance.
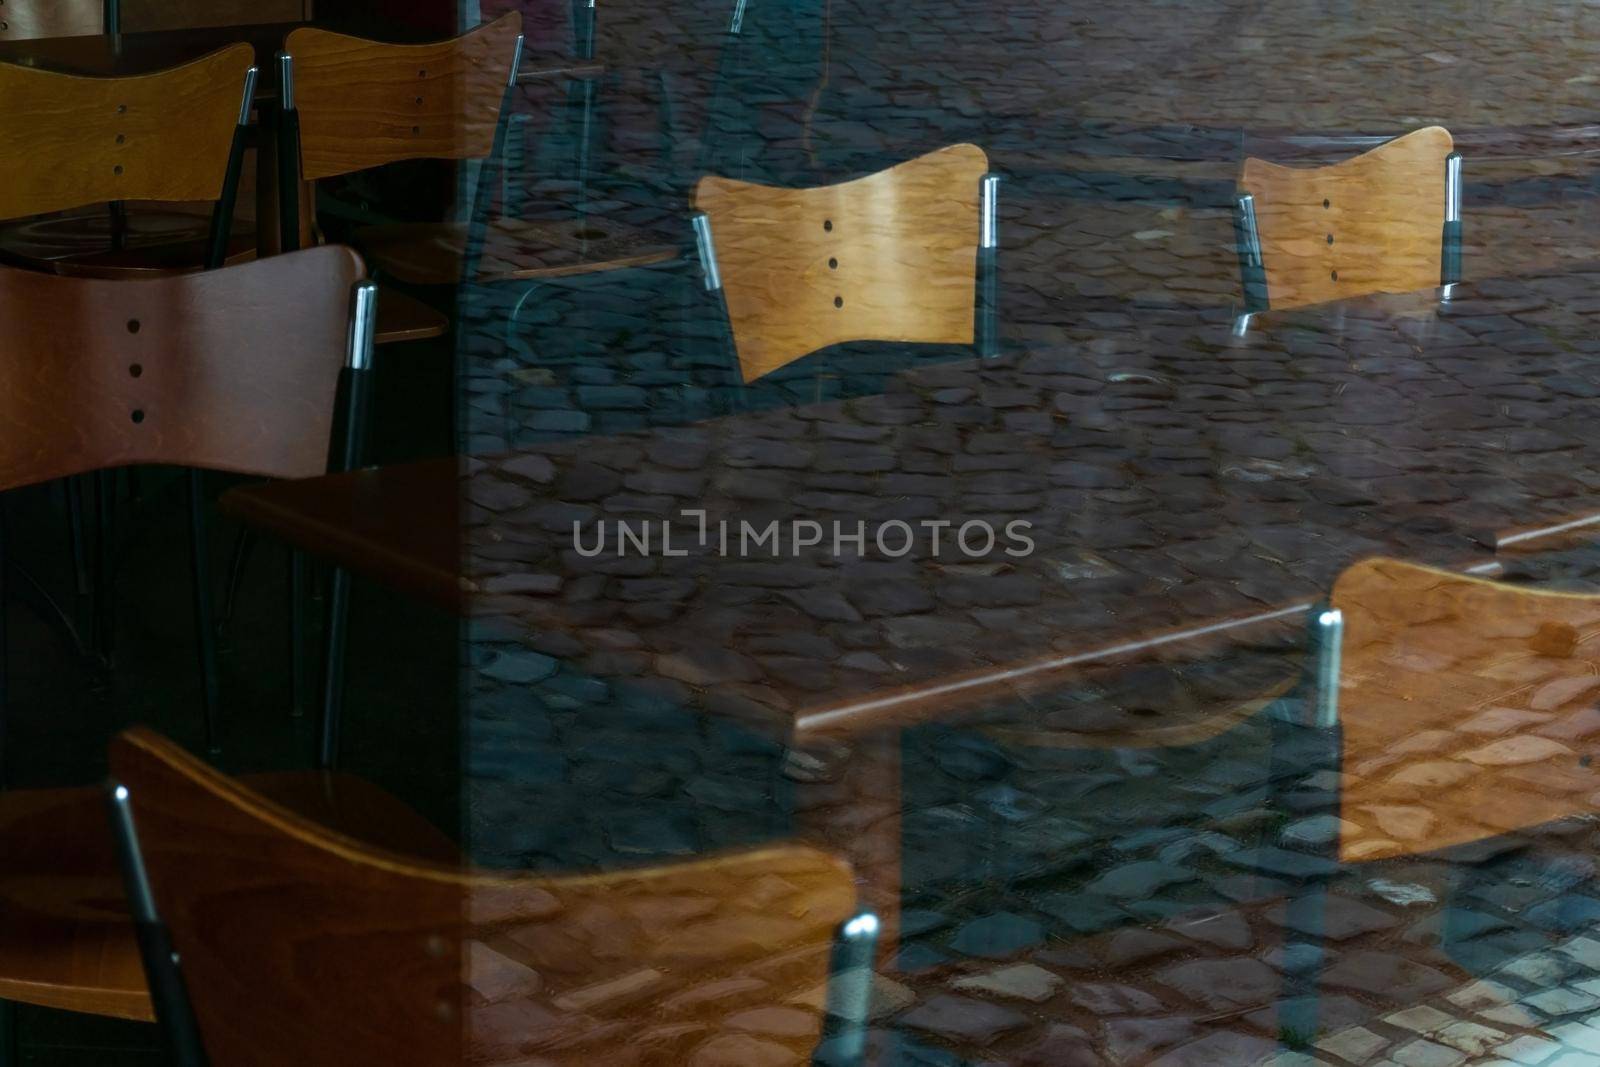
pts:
pixel 402 317
pixel 514 249
pixel 157 241
pixel 66 940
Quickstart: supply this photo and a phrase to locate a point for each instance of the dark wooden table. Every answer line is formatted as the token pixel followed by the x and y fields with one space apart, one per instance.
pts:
pixel 1188 490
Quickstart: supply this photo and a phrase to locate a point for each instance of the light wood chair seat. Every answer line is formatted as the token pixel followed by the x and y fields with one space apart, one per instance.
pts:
pixel 66 938
pixel 514 249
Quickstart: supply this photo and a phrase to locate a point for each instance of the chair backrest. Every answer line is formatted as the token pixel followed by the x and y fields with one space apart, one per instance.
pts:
pixel 1467 707
pixel 29 20
pixel 302 946
pixel 892 256
pixel 233 369
pixel 1369 224
pixel 69 141
pixel 364 103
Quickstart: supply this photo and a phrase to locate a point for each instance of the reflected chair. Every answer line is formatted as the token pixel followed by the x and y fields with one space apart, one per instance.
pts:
pixel 350 104
pixel 174 136
pixel 298 945
pixel 1443 710
pixel 347 105
pixel 231 370
pixel 66 939
pixel 1388 220
pixel 353 104
pixel 904 255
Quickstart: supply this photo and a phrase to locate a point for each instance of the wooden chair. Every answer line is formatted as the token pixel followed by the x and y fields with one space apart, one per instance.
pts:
pixel 892 256
pixel 231 370
pixel 301 945
pixel 1446 710
pixel 1388 220
pixel 70 142
pixel 66 938
pixel 354 104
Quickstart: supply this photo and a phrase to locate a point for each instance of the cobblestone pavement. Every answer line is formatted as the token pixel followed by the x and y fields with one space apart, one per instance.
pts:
pixel 1120 906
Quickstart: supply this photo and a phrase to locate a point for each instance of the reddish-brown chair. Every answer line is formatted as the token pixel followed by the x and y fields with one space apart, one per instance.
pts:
pixel 67 941
pixel 229 370
pixel 299 945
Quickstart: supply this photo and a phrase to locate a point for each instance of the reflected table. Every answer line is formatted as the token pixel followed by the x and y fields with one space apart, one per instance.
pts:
pixel 985 533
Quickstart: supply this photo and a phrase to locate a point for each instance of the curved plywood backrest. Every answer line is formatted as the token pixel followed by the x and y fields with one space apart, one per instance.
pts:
pixel 1469 708
pixel 1365 225
pixel 888 257
pixel 301 946
pixel 30 20
pixel 233 369
pixel 364 103
pixel 67 141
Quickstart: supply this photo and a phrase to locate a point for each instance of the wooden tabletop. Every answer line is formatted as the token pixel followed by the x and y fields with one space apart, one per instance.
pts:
pixel 1183 485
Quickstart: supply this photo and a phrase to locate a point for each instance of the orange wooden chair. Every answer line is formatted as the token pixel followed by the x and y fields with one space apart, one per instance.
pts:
pixel 173 136
pixel 906 254
pixel 1388 220
pixel 1445 710
pixel 354 104
pixel 67 940
pixel 301 945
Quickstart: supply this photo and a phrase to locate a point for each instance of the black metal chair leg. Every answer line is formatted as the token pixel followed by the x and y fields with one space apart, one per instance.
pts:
pixel 333 688
pixel 243 546
pixel 204 621
pixel 297 633
pixel 103 586
pixel 73 487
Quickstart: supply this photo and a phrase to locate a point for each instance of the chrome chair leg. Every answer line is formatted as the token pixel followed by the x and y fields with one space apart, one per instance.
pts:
pixel 1308 744
pixel 849 995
